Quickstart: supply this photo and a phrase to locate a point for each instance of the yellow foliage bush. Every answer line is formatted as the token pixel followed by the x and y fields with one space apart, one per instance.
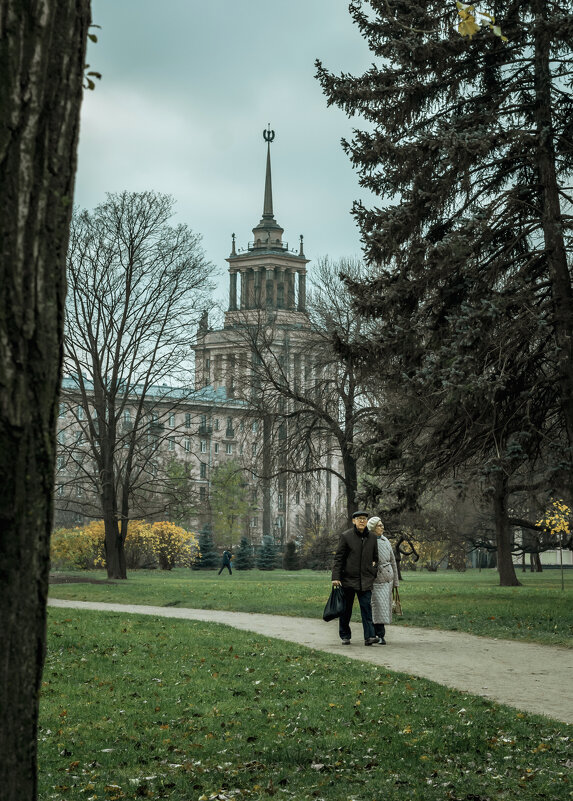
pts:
pixel 160 544
pixel 80 548
pixel 173 545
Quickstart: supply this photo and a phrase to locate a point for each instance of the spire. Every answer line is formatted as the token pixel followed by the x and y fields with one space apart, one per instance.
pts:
pixel 268 136
pixel 268 233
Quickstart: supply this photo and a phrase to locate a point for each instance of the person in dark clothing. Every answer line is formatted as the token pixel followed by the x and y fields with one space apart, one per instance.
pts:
pixel 355 568
pixel 226 563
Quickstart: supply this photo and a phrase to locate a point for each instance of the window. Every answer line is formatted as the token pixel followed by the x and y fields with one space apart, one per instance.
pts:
pixel 255 426
pixel 253 449
pixel 242 425
pixel 297 497
pixel 281 501
pixel 203 446
pixel 79 437
pixel 154 469
pixel 203 470
pixel 171 444
pixel 62 437
pixel 187 419
pixel 216 424
pixel 61 462
pixel 187 444
pixel 216 447
pixel 202 493
pixel 80 413
pixel 229 447
pixel 79 492
pixel 62 412
pixel 171 419
pixel 254 522
pixel 241 449
pixel 60 490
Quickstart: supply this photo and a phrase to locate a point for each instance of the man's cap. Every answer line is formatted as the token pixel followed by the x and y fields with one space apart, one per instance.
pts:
pixel 360 513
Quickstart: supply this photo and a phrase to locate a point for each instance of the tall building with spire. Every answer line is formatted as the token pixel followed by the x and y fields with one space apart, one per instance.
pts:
pixel 265 279
pixel 267 290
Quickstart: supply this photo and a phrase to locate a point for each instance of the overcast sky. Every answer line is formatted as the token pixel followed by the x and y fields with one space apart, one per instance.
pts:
pixel 188 87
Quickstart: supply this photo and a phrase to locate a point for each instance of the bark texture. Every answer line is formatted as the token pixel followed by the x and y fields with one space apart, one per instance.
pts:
pixel 42 62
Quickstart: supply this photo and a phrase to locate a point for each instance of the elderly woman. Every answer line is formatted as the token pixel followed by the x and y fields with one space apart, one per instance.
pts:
pixel 386 579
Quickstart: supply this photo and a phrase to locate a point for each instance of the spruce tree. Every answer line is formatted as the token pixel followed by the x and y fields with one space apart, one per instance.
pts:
pixel 244 559
pixel 291 557
pixel 209 558
pixel 469 297
pixel 267 554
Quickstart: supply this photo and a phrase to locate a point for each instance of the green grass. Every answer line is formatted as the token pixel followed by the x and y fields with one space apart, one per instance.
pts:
pixel 139 707
pixel 473 602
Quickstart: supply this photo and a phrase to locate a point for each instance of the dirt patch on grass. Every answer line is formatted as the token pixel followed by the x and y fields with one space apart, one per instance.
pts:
pixel 61 578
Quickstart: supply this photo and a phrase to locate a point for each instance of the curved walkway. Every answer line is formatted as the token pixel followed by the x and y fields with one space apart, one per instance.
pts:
pixel 533 678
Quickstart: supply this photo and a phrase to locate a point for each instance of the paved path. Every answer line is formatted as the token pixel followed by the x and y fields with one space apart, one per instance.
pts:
pixel 533 678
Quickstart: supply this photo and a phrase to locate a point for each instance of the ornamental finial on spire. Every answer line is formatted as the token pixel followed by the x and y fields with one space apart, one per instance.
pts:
pixel 268 135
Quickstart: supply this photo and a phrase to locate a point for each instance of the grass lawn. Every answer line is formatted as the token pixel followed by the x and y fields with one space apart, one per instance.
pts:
pixel 538 611
pixel 137 707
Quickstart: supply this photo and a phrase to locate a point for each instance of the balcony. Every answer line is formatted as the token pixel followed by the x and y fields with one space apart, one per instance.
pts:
pixel 205 430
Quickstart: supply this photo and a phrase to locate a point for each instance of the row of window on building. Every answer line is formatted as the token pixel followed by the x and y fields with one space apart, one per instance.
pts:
pixel 206 424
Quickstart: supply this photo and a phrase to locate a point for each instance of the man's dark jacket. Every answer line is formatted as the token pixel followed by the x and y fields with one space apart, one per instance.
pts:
pixel 354 557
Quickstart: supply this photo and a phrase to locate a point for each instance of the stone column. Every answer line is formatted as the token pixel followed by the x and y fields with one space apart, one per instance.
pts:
pixel 243 289
pixel 281 282
pixel 257 279
pixel 263 302
pixel 233 291
pixel 290 279
pixel 271 289
pixel 301 291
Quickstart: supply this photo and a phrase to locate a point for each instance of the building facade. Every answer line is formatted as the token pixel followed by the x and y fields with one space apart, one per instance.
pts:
pixel 229 413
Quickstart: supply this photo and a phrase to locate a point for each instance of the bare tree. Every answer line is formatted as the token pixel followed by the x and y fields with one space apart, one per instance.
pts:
pixel 42 62
pixel 315 408
pixel 136 285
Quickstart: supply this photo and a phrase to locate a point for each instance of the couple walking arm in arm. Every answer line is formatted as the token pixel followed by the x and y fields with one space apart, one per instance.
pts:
pixel 360 567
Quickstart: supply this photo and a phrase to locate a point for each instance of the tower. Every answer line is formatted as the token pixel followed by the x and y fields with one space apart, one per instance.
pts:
pixel 267 287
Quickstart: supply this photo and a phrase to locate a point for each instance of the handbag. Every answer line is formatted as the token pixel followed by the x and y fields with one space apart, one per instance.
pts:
pixel 335 605
pixel 396 605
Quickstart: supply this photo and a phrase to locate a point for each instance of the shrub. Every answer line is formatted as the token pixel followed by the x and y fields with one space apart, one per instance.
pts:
pixel 80 548
pixel 207 556
pixel 267 554
pixel 172 545
pixel 244 559
pixel 290 557
pixel 146 545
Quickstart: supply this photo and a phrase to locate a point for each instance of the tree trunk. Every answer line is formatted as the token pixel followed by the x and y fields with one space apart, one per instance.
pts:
pixel 265 478
pixel 561 291
pixel 350 481
pixel 41 74
pixel 506 569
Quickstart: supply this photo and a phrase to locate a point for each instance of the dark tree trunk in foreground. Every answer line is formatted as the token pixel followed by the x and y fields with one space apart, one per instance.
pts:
pixel 42 62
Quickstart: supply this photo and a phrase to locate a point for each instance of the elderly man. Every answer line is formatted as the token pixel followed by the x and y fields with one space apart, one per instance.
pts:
pixel 355 568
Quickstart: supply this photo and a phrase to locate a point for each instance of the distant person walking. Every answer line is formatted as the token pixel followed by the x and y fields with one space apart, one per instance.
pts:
pixel 355 567
pixel 226 563
pixel 386 579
